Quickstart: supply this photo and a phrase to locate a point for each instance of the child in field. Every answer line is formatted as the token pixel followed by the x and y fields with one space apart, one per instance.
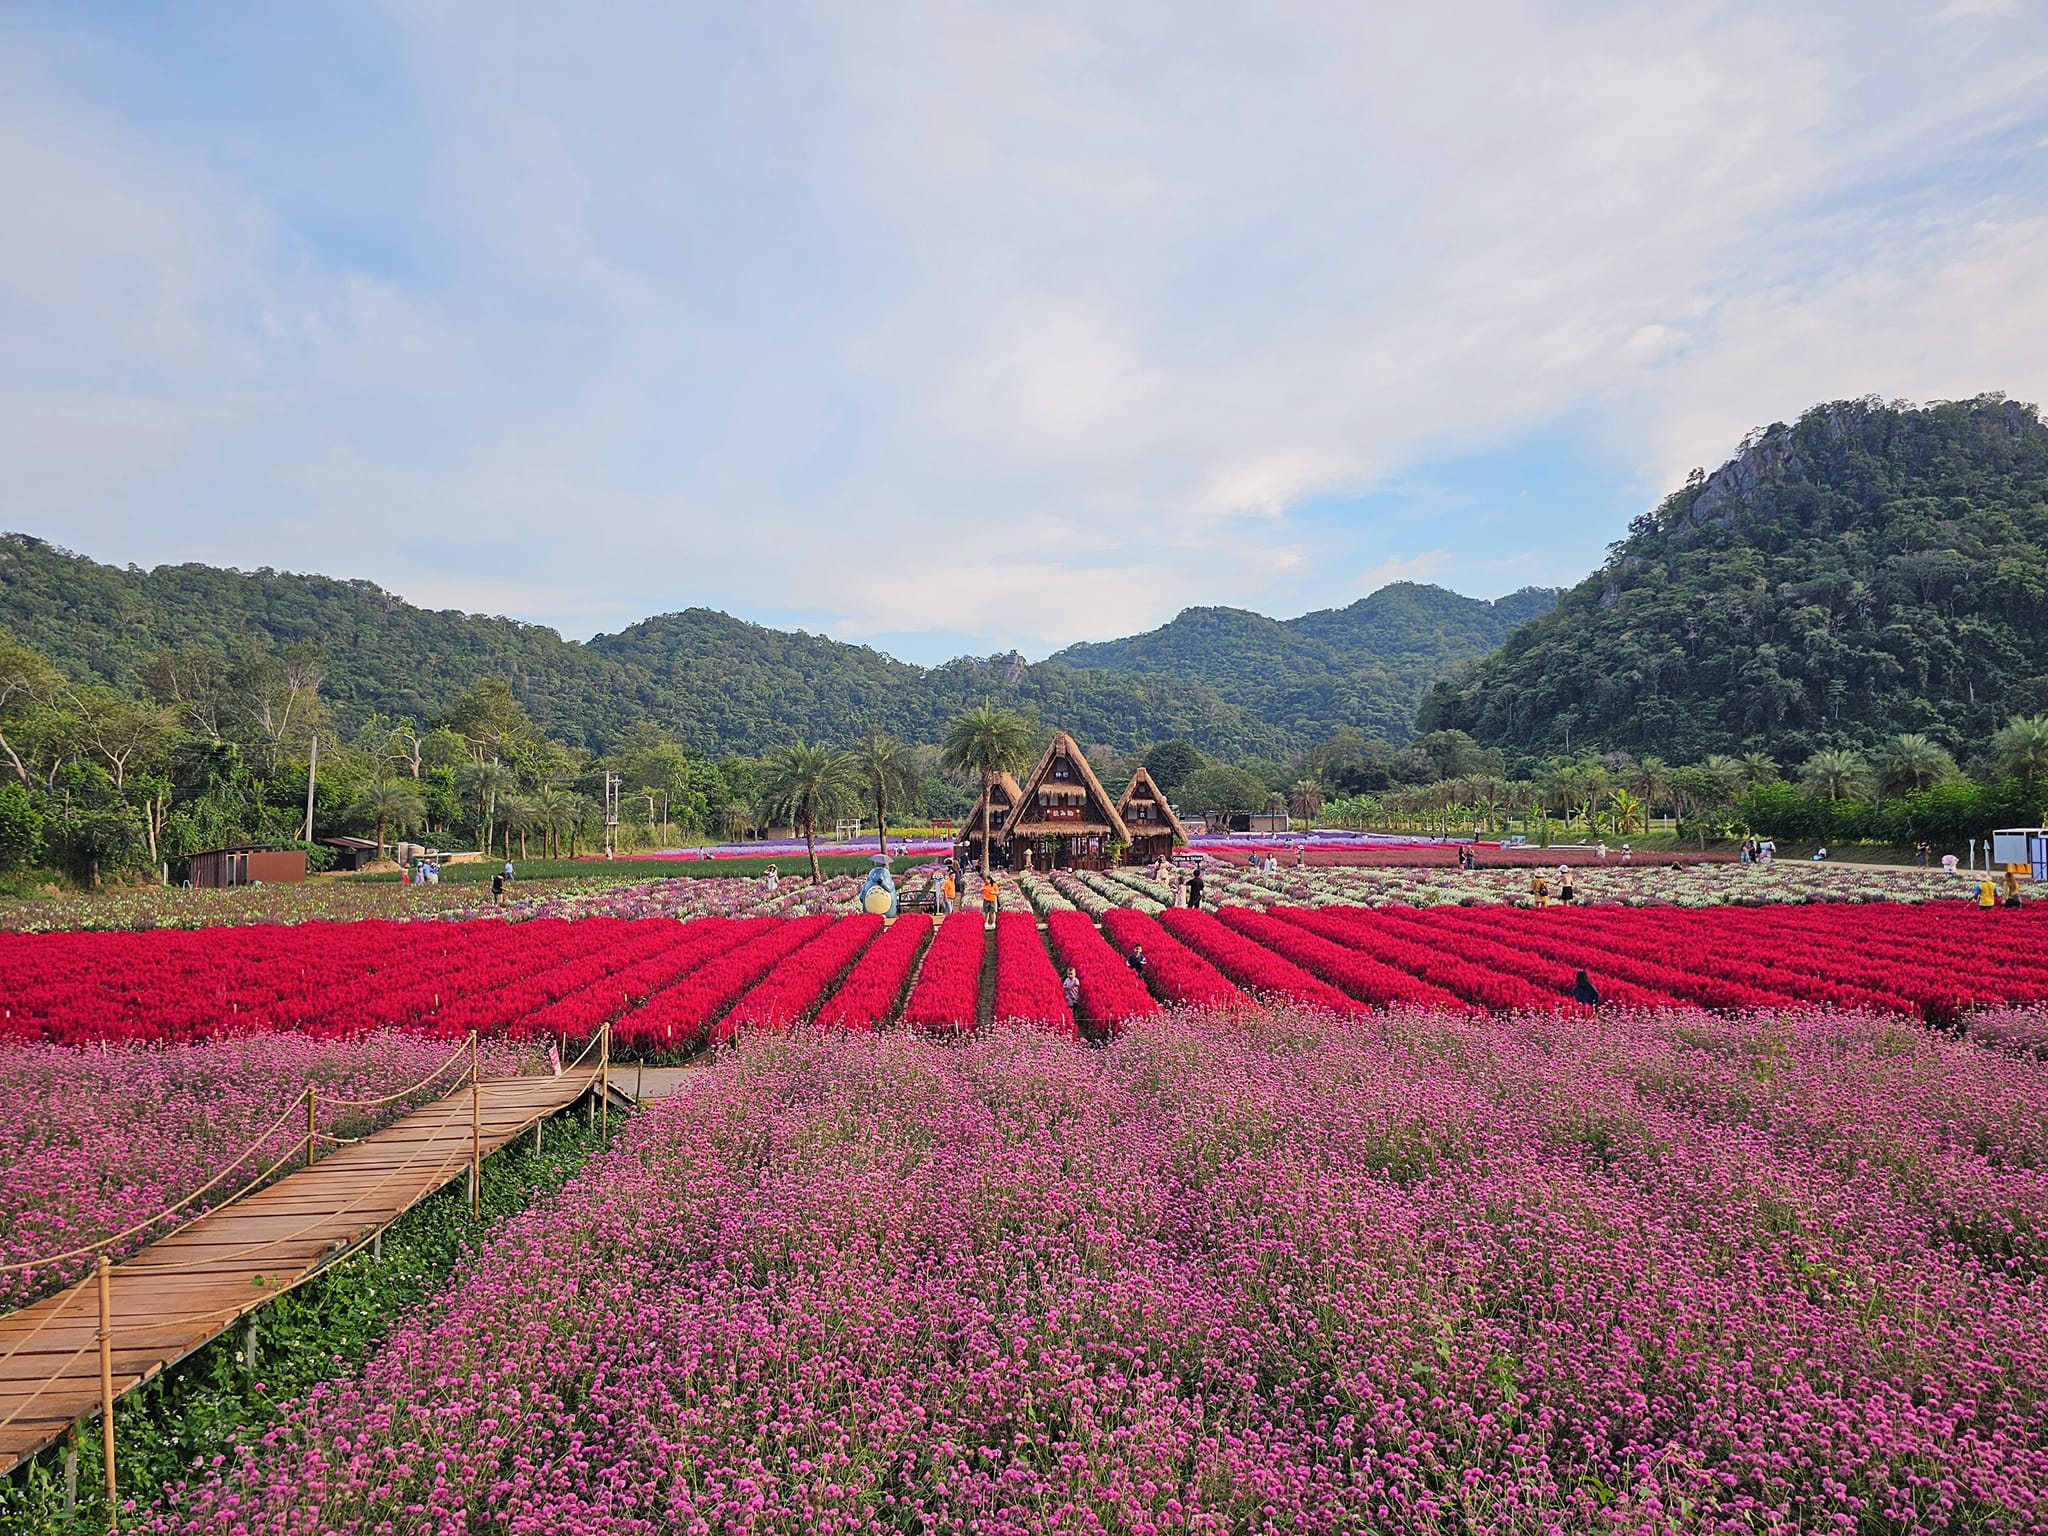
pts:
pixel 1070 988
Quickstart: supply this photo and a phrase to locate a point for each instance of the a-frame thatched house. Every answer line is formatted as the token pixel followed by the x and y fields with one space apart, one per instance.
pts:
pixel 996 807
pixel 1152 824
pixel 1064 817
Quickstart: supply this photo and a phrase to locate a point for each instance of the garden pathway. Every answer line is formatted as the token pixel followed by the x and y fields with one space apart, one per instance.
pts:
pixel 189 1287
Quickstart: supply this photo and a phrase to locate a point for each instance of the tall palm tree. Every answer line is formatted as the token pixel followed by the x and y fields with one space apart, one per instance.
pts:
pixel 884 765
pixel 1835 774
pixel 986 740
pixel 809 783
pixel 390 803
pixel 1737 774
pixel 1305 800
pixel 483 784
pixel 1651 778
pixel 1910 761
pixel 521 814
pixel 1756 769
pixel 556 811
pixel 2020 748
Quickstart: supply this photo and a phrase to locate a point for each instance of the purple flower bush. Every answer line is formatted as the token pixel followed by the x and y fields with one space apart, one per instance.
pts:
pixel 101 1139
pixel 1241 1273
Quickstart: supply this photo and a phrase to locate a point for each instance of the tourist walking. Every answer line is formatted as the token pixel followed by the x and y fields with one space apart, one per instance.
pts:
pixel 1540 889
pixel 1195 889
pixel 1566 891
pixel 2012 888
pixel 949 892
pixel 990 897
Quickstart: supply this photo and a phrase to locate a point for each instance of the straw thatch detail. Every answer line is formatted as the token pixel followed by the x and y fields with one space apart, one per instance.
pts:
pixel 1143 788
pixel 1098 812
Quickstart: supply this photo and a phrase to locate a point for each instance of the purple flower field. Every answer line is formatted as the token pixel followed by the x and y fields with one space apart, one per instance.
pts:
pixel 1243 1274
pixel 102 1139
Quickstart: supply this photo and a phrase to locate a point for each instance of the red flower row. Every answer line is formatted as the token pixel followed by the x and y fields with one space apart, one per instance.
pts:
pixel 1176 972
pixel 792 990
pixel 1367 979
pixel 1251 965
pixel 947 996
pixel 1027 987
pixel 869 994
pixel 1111 993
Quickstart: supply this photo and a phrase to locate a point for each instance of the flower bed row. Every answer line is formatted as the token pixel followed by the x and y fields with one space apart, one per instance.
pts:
pixel 1027 987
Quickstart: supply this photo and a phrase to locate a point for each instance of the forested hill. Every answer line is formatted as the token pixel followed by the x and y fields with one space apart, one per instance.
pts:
pixel 1869 570
pixel 721 684
pixel 1365 665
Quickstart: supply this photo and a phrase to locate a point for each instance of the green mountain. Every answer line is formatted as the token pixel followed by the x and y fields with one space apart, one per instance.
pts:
pixel 724 685
pixel 1366 664
pixel 1868 570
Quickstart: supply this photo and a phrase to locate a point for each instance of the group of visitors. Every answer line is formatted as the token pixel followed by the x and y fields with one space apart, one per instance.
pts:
pixel 1757 850
pixel 1988 894
pixel 1566 890
pixel 419 872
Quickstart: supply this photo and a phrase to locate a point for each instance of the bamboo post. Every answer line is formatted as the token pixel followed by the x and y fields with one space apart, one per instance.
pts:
pixel 604 1073
pixel 312 1124
pixel 476 1129
pixel 107 1385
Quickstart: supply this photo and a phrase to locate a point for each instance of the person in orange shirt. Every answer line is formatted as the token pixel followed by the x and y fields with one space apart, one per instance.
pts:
pixel 989 897
pixel 949 892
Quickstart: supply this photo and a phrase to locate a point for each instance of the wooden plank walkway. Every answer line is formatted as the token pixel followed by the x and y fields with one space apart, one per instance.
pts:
pixel 189 1287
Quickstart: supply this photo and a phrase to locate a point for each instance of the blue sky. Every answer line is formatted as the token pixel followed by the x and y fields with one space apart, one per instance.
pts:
pixel 948 327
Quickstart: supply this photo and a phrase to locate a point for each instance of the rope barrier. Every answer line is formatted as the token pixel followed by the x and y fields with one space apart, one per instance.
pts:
pixel 107 1242
pixel 460 1053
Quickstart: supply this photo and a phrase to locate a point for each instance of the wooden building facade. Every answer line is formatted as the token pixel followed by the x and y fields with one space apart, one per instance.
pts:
pixel 1153 826
pixel 220 868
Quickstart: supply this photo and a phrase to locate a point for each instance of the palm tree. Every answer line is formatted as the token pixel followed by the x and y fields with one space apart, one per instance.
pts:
pixel 521 814
pixel 482 784
pixel 1913 762
pixel 1305 800
pixel 2020 749
pixel 390 803
pixel 1756 769
pixel 557 813
pixel 1651 778
pixel 1835 774
pixel 884 763
pixel 1626 811
pixel 808 783
pixel 986 740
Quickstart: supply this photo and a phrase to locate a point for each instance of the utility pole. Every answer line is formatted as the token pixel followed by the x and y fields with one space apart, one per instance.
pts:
pixel 611 813
pixel 312 763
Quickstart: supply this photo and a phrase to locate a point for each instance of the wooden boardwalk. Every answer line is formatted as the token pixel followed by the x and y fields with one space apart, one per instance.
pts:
pixel 182 1291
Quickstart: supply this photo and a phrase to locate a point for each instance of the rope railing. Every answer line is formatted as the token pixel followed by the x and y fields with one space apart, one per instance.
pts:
pixel 62 1305
pixel 102 1243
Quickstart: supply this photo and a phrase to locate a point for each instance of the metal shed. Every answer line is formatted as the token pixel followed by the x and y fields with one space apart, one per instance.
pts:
pixel 220 868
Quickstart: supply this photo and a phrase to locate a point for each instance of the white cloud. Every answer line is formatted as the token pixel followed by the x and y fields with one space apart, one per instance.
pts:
pixel 1035 325
pixel 1404 568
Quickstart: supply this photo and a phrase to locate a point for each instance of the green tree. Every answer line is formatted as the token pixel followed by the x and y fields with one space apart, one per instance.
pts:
pixel 809 783
pixel 481 785
pixel 985 741
pixel 1836 774
pixel 1305 800
pixel 390 803
pixel 1171 762
pixel 2019 750
pixel 1910 761
pixel 884 766
pixel 1221 791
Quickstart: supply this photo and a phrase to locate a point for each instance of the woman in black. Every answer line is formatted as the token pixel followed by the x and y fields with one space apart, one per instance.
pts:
pixel 1584 990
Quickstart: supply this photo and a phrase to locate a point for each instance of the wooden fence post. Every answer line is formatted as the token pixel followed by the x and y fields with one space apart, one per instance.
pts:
pixel 312 1124
pixel 107 1386
pixel 476 1129
pixel 604 1069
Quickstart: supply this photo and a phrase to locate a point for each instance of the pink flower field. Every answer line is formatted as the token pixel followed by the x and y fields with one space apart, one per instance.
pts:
pixel 1257 1270
pixel 103 1138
